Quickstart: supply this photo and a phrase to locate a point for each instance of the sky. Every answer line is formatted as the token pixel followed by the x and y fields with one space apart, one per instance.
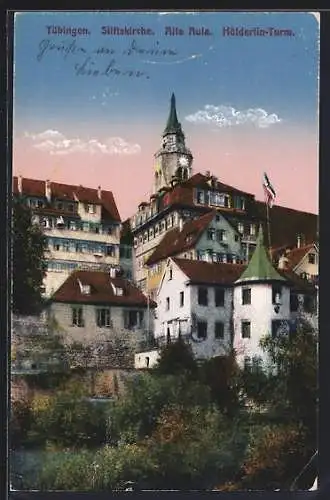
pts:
pixel 90 109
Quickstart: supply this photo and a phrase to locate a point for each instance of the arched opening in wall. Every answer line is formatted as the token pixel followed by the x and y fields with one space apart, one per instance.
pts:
pixel 179 173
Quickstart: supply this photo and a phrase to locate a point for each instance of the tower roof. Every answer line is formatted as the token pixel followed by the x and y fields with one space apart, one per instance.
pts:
pixel 173 126
pixel 260 267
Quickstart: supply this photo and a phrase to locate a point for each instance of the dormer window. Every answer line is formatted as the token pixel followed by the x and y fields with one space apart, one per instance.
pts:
pixel 90 208
pixel 311 258
pixel 200 197
pixel 85 289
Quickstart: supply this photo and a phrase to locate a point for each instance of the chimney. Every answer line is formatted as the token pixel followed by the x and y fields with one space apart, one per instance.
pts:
pixel 48 190
pixel 20 184
pixel 298 241
pixel 283 262
pixel 99 192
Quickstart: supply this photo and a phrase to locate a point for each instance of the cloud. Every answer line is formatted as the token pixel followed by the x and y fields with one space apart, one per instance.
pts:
pixel 55 143
pixel 227 116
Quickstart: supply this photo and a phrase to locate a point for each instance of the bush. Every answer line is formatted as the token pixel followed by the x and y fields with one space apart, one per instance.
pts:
pixel 135 416
pixel 275 455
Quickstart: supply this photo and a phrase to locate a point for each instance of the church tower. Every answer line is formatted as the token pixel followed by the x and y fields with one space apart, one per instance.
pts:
pixel 173 160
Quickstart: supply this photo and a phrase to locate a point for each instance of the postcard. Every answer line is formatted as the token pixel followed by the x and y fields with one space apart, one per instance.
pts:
pixel 165 251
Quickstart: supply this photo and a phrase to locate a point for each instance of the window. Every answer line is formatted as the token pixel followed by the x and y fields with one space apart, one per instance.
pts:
pixel 103 318
pixel 202 296
pixel 133 319
pixel 276 294
pixel 202 329
pixel 252 229
pixel 256 363
pixel 181 299
pixel 70 207
pixel 276 325
pixel 311 258
pixel 219 297
pixel 221 235
pixel 211 234
pixel 77 316
pixel 91 209
pixel 246 296
pixel 236 237
pixel 247 363
pixel 167 306
pixel 294 303
pixel 246 329
pixel 219 330
pixel 40 204
pixel 110 250
pixel 72 226
pixel 170 274
pixel 229 258
pixel 57 246
pixel 200 197
pixel 60 206
pixel 308 303
pixel 240 227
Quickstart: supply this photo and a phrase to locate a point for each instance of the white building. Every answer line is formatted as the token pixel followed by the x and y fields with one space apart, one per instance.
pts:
pixel 217 306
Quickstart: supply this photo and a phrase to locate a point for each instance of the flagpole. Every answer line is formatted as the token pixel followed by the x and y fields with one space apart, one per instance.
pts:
pixel 268 228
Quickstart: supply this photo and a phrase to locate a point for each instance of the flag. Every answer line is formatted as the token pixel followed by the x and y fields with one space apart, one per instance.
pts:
pixel 270 193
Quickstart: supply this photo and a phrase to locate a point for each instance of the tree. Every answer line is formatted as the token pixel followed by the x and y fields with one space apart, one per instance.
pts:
pixel 134 416
pixel 177 358
pixel 293 385
pixel 29 267
pixel 220 374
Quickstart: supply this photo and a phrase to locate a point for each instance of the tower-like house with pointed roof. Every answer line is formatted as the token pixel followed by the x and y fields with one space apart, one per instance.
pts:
pixel 261 303
pixel 173 161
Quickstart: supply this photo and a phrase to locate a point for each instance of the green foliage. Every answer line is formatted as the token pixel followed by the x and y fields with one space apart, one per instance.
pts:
pixel 69 420
pixel 293 387
pixel 65 471
pixel 220 374
pixel 135 415
pixel 20 422
pixel 275 455
pixel 177 358
pixel 29 246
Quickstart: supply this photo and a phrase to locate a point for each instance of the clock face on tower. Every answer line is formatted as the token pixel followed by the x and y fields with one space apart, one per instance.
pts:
pixel 183 161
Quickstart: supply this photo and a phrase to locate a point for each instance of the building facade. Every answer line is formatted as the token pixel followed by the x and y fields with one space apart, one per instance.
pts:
pixel 209 237
pixel 93 307
pixel 179 195
pixel 82 226
pixel 219 306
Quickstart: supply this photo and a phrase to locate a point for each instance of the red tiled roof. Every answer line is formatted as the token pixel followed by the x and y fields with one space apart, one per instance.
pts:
pixel 176 241
pixel 200 180
pixel 211 273
pixel 297 254
pixel 298 284
pixel 200 272
pixel 34 187
pixel 286 224
pixel 101 290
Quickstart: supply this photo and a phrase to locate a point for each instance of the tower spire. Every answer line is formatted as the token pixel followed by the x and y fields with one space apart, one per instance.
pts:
pixel 260 267
pixel 173 126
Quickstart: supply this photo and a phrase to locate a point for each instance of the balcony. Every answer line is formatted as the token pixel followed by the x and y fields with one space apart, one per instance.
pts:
pixel 249 238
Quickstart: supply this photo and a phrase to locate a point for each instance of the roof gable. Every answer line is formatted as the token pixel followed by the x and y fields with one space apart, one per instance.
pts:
pixel 68 192
pixel 102 290
pixel 176 241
